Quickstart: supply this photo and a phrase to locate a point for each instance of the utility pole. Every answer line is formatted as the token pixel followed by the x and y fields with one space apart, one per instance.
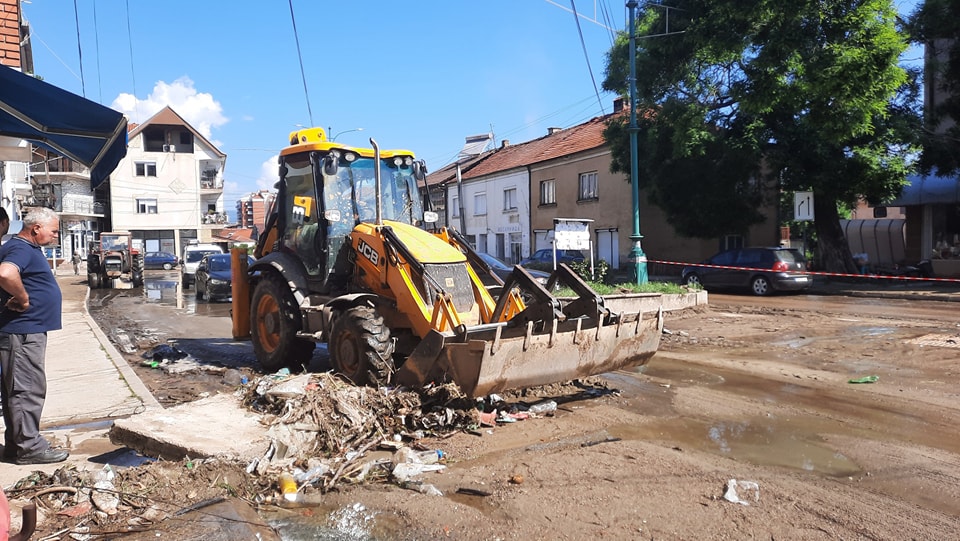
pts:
pixel 637 258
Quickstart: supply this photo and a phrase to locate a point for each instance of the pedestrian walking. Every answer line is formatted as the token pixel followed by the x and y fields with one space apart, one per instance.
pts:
pixel 31 307
pixel 76 262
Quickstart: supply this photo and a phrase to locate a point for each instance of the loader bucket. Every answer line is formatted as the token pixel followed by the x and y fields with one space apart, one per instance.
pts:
pixel 496 357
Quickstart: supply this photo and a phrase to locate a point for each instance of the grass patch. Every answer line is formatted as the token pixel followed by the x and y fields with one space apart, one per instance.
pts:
pixel 666 288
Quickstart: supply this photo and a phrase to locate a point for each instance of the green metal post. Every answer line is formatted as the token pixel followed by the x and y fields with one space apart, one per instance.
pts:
pixel 637 258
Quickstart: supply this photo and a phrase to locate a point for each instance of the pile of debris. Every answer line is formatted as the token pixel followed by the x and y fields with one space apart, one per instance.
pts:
pixel 322 428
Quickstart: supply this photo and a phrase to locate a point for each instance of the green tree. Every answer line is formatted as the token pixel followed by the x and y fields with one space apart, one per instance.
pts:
pixel 936 25
pixel 740 99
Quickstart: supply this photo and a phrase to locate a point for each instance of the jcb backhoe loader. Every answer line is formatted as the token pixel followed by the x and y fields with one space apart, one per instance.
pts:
pixel 345 260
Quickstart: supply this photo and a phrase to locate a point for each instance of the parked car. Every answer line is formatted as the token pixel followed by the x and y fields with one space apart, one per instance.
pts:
pixel 545 257
pixel 213 276
pixel 192 254
pixel 761 270
pixel 159 260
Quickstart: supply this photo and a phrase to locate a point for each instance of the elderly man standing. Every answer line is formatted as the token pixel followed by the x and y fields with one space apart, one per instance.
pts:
pixel 31 308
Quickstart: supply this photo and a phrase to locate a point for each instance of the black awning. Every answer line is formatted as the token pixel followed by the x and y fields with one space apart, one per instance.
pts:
pixel 80 129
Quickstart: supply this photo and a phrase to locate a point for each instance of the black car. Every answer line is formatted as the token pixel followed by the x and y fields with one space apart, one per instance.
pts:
pixel 545 257
pixel 761 270
pixel 213 277
pixel 503 270
pixel 159 260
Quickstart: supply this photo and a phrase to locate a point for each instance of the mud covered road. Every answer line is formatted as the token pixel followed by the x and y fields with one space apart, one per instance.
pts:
pixel 753 390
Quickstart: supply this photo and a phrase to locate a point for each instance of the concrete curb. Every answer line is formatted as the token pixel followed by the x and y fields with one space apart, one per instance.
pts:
pixel 137 387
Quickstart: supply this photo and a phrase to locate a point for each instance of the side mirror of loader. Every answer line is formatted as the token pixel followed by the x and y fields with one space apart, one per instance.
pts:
pixel 330 165
pixel 419 170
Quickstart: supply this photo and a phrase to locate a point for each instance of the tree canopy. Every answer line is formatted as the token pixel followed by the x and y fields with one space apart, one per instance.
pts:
pixel 936 25
pixel 740 99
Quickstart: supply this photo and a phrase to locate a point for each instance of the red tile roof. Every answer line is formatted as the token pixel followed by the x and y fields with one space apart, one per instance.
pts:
pixel 579 138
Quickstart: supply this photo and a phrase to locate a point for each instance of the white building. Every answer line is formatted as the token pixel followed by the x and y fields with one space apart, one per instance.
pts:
pixel 168 190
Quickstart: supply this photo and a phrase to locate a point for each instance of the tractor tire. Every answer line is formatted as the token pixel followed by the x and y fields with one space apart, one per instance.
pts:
pixel 275 321
pixel 361 348
pixel 137 279
pixel 93 280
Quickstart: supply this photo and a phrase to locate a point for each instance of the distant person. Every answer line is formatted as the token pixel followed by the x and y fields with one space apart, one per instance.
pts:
pixel 4 222
pixel 76 262
pixel 31 308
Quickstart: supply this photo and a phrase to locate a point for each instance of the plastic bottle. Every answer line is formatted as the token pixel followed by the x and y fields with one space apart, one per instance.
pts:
pixel 288 487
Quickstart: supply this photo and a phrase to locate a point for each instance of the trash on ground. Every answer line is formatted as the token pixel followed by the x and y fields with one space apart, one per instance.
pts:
pixel 749 489
pixel 543 408
pixel 865 379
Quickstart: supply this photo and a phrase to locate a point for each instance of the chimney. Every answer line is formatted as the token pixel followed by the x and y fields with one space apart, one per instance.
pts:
pixel 618 105
pixel 551 131
pixel 504 143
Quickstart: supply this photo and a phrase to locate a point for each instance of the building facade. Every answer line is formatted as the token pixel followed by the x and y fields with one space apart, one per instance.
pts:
pixel 252 209
pixel 168 190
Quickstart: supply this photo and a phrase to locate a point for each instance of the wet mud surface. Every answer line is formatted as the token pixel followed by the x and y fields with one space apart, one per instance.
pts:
pixel 747 389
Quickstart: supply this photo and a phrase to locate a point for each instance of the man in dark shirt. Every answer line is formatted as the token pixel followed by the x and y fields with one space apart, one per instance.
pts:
pixel 31 307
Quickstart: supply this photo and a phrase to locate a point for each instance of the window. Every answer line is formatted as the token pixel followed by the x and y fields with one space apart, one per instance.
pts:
pixel 480 204
pixel 510 199
pixel 588 187
pixel 146 206
pixel 146 169
pixel 482 243
pixel 456 207
pixel 548 192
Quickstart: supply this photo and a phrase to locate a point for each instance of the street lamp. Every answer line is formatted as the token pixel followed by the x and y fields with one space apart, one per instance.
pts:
pixel 334 138
pixel 637 258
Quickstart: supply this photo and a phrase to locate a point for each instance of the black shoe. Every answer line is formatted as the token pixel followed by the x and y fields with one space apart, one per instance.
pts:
pixel 47 456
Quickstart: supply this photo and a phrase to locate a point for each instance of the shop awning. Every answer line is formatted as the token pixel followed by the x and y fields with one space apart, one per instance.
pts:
pixel 929 189
pixel 80 129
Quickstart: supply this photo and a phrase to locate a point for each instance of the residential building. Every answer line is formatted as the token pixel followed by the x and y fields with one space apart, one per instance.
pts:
pixel 168 190
pixel 437 184
pixel 252 209
pixel 511 197
pixel 64 186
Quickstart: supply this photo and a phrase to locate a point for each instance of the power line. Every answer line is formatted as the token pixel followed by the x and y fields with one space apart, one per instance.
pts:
pixel 96 36
pixel 76 18
pixel 133 74
pixel 586 57
pixel 303 75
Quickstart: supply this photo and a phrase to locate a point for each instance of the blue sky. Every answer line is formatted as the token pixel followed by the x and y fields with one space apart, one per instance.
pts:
pixel 417 75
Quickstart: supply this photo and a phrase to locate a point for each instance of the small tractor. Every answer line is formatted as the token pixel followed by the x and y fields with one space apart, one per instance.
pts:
pixel 345 259
pixel 114 263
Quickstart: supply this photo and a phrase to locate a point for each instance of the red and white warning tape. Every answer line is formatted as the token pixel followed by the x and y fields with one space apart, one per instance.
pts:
pixel 812 273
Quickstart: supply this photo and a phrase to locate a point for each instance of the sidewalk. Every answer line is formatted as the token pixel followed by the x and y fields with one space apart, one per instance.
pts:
pixel 89 383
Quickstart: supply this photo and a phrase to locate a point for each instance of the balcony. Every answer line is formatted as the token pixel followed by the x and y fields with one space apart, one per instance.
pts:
pixel 82 205
pixel 214 218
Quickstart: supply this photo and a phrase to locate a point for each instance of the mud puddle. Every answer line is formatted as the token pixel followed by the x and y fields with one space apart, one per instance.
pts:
pixel 759 441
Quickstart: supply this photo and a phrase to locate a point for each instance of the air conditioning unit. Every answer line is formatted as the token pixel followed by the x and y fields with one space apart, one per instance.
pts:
pixel 166 148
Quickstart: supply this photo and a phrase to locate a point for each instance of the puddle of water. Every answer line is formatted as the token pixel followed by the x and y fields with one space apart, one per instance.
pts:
pixel 870 331
pixel 680 373
pixel 351 523
pixel 764 442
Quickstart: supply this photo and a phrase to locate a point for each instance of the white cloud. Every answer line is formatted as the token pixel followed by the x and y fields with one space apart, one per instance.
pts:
pixel 269 173
pixel 198 108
